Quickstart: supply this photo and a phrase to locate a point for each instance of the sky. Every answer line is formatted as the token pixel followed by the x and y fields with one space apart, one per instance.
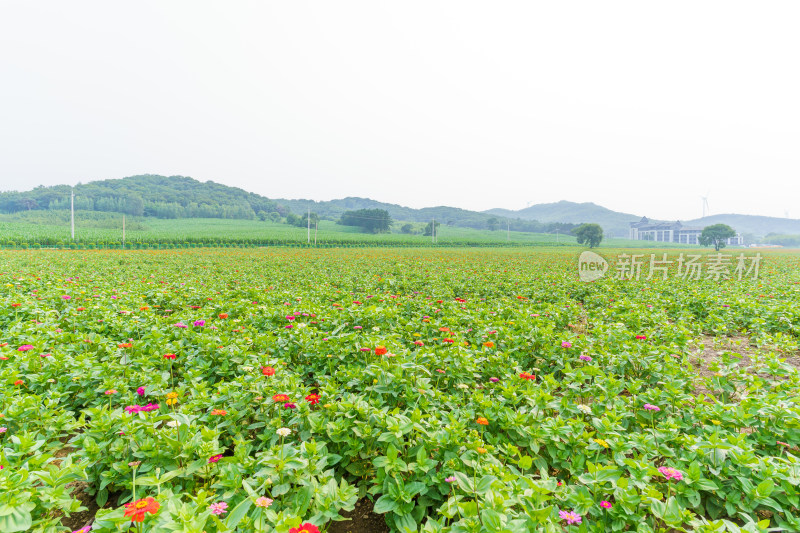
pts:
pixel 642 107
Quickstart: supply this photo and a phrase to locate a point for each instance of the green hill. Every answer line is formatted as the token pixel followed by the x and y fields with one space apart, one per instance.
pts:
pixel 613 223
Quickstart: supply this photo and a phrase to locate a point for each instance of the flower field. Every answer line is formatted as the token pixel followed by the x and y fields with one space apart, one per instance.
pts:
pixel 457 390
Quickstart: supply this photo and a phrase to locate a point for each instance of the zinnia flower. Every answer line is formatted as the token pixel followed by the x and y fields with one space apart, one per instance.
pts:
pixel 641 337
pixel 169 356
pixel 214 458
pixel 263 502
pixel 289 405
pixel 586 358
pixel 223 316
pixel 381 350
pixel 219 412
pixel 651 407
pixel 218 508
pixel 670 473
pixel 308 527
pixel 313 399
pixel 482 421
pixel 267 370
pixel 140 391
pixel 25 348
pixel 284 432
pixel 200 324
pixel 570 516
pixel 605 504
pixel 525 375
pixel 278 398
pixel 136 510
pixel 566 344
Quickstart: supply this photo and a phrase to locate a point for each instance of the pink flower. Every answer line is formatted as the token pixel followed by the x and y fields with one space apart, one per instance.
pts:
pixel 66 297
pixel 641 337
pixel 214 458
pixel 670 473
pixel 605 504
pixel 180 325
pixel 586 358
pixel 450 479
pixel 25 348
pixel 140 391
pixel 651 407
pixel 132 409
pixel 263 502
pixel 494 380
pixel 218 508
pixel 570 516
pixel 566 344
pixel 111 391
pixel 200 324
pixel 3 429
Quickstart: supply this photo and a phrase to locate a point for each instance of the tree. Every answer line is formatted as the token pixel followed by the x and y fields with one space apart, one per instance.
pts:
pixel 370 220
pixel 407 228
pixel 428 229
pixel 493 224
pixel 590 234
pixel 716 235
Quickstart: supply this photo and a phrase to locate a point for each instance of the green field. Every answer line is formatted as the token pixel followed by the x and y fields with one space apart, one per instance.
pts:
pixel 51 227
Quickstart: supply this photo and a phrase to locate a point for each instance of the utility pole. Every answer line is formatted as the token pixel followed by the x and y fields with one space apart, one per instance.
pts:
pixel 316 227
pixel 308 240
pixel 72 213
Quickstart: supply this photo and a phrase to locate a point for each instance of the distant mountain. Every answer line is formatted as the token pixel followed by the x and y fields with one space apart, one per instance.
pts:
pixel 183 197
pixel 757 225
pixel 614 223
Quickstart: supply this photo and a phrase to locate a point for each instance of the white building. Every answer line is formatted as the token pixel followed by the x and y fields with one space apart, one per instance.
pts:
pixel 647 230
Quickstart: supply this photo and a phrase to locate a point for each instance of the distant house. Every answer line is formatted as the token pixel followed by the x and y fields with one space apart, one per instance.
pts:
pixel 647 230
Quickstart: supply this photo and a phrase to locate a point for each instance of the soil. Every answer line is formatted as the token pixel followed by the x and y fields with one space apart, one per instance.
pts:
pixel 362 520
pixel 712 350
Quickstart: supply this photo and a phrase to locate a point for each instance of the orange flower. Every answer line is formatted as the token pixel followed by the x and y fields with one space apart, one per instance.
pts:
pixel 278 398
pixel 488 344
pixel 136 510
pixel 219 412
pixel 144 308
pixel 223 316
pixel 267 370
pixel 381 350
pixel 525 375
pixel 482 421
pixel 448 341
pixel 444 329
pixel 125 345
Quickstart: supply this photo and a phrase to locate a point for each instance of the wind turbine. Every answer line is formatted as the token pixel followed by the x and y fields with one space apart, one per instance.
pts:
pixel 705 204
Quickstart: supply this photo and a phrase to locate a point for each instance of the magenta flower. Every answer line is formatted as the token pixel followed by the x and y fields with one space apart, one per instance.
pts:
pixel 605 504
pixel 214 458
pixel 25 348
pixel 150 407
pixel 670 473
pixel 570 516
pixel 180 325
pixel 132 409
pixel 651 407
pixel 140 391
pixel 494 380
pixel 66 297
pixel 3 429
pixel 566 344
pixel 450 479
pixel 218 508
pixel 199 324
pixel 289 405
pixel 585 358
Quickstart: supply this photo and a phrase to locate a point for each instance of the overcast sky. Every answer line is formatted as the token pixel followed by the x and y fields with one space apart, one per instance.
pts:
pixel 641 107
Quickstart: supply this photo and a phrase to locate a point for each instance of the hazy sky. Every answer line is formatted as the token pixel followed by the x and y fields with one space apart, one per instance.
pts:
pixel 638 106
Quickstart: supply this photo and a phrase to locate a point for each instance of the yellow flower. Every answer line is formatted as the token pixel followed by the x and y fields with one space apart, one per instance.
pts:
pixel 374 381
pixel 601 442
pixel 716 422
pixel 172 395
pixel 481 450
pixel 417 335
pixel 171 401
pixel 327 405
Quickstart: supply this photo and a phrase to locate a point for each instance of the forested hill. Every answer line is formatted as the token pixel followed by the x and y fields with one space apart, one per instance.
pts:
pixel 181 197
pixel 147 195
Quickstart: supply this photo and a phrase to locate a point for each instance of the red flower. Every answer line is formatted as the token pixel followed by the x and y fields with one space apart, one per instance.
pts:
pixel 448 341
pixel 80 309
pixel 219 412
pixel 19 382
pixel 280 398
pixel 267 370
pixel 169 356
pixel 15 305
pixel 381 350
pixel 136 510
pixel 223 316
pixel 125 345
pixel 308 527
pixel 312 399
pixel 525 375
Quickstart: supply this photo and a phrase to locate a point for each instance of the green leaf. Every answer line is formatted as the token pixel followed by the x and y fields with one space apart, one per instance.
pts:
pixel 384 504
pixel 238 513
pixel 765 488
pixel 525 462
pixel 19 519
